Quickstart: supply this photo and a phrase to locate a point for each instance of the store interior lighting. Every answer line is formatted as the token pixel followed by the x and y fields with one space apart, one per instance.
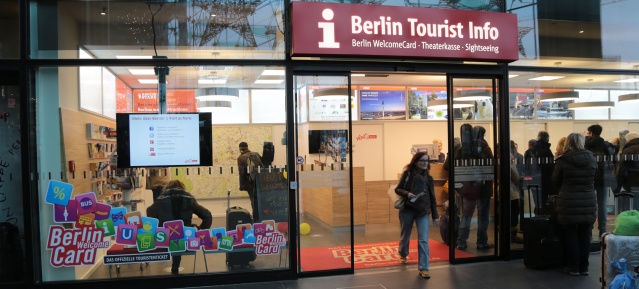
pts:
pixel 217 93
pixel 591 105
pixel 330 93
pixel 559 96
pixel 632 97
pixel 472 95
pixel 213 105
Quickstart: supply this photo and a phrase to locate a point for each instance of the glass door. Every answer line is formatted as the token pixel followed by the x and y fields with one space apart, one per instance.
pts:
pixel 324 172
pixel 473 166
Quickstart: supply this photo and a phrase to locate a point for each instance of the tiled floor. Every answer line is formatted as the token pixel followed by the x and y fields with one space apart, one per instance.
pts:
pixel 487 275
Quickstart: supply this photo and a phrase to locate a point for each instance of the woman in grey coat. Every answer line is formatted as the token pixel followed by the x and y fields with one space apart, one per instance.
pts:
pixel 574 175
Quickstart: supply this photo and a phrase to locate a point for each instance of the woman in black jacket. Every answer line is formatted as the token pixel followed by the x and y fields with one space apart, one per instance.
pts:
pixel 416 186
pixel 574 175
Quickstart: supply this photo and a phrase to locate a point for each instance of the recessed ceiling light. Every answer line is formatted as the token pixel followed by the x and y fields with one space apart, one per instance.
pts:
pixel 269 81
pixel 279 72
pixel 628 80
pixel 213 15
pixel 512 75
pixel 357 75
pixel 581 31
pixel 133 57
pixel 211 81
pixel 546 78
pixel 142 71
pixel 149 81
pixel 103 11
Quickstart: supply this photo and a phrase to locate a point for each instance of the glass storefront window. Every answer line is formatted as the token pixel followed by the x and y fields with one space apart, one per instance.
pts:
pixel 120 223
pixel 543 108
pixel 176 29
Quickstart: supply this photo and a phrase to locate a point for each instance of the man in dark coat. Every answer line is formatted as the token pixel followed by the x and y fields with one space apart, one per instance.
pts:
pixel 628 174
pixel 246 184
pixel 540 162
pixel 474 194
pixel 574 175
pixel 599 147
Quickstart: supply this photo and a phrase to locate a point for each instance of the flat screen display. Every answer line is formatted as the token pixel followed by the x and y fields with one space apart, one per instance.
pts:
pixel 164 140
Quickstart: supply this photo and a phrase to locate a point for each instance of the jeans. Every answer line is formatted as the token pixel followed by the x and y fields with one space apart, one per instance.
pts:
pixel 483 211
pixel 577 246
pixel 406 219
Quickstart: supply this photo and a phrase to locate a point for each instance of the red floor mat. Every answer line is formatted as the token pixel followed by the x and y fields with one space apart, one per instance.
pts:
pixel 369 255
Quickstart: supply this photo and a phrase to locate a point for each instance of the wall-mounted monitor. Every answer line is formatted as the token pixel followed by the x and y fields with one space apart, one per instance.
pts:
pixel 164 140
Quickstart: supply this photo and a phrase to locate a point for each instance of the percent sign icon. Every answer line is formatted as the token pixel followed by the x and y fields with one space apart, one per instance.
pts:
pixel 58 193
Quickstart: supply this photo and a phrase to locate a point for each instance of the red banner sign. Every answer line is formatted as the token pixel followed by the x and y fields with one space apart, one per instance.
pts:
pixel 177 101
pixel 391 31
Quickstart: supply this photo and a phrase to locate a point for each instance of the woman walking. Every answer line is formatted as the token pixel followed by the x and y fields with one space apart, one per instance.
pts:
pixel 416 186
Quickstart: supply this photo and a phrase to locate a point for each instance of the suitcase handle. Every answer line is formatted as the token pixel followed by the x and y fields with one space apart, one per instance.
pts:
pixel 625 194
pixel 228 199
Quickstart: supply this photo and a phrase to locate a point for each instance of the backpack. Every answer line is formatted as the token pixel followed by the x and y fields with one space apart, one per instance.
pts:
pixel 254 160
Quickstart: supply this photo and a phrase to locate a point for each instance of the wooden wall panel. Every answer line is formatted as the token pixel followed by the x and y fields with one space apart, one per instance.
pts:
pixel 378 202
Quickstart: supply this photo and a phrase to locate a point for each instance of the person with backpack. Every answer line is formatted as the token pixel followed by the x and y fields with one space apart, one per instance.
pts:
pixel 247 164
pixel 540 163
pixel 175 203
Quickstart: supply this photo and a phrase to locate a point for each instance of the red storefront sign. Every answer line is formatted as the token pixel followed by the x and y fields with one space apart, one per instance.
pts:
pixel 391 31
pixel 123 97
pixel 177 101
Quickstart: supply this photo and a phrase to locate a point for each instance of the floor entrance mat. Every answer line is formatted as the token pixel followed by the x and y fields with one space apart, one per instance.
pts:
pixel 371 255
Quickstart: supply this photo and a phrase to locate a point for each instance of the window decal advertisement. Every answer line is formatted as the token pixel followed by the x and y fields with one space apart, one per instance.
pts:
pixel 382 103
pixel 84 226
pixel 321 28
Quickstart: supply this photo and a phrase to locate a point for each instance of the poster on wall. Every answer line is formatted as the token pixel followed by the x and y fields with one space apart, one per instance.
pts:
pixel 418 103
pixel 382 103
pixel 333 108
pixel 84 224
pixel 177 101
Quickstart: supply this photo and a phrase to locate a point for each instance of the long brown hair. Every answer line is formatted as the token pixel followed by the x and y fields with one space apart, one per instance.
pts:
pixel 413 162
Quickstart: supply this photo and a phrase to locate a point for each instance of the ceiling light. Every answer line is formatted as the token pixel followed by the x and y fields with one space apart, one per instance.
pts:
pixel 559 96
pixel 330 93
pixel 633 97
pixel 142 71
pixel 269 81
pixel 211 81
pixel 357 75
pixel 278 72
pixel 133 57
pixel 512 75
pixel 149 81
pixel 628 80
pixel 472 95
pixel 213 15
pixel 546 78
pixel 216 93
pixel 591 104
pixel 103 11
pixel 443 104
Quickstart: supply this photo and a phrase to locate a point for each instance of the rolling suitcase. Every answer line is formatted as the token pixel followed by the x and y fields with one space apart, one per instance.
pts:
pixel 236 216
pixel 613 248
pixel 543 248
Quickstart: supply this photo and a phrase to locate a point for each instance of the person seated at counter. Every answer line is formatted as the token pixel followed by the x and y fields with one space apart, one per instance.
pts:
pixel 442 156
